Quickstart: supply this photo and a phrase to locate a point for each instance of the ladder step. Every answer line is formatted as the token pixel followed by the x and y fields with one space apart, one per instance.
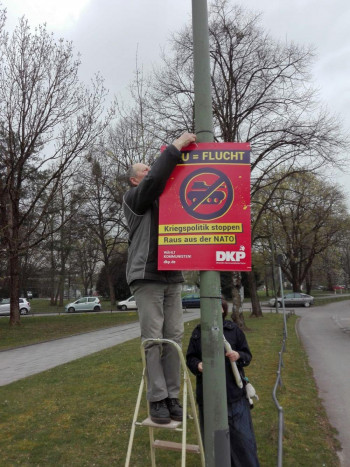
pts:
pixel 172 446
pixel 171 426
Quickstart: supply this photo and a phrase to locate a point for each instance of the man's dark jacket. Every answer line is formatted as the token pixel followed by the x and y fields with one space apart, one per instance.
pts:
pixel 235 336
pixel 141 210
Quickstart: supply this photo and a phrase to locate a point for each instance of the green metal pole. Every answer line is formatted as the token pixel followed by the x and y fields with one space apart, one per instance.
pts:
pixel 216 432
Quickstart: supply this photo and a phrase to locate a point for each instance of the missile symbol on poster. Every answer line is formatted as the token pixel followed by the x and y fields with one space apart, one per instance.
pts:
pixel 204 211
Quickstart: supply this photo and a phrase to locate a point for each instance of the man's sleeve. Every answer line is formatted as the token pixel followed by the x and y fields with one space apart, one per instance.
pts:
pixel 193 354
pixel 243 349
pixel 140 198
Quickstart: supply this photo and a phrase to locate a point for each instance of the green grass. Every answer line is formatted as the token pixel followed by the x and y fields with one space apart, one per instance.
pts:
pixel 35 329
pixel 303 412
pixel 321 301
pixel 79 414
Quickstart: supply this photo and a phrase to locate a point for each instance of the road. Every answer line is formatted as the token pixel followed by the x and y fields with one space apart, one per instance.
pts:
pixel 325 333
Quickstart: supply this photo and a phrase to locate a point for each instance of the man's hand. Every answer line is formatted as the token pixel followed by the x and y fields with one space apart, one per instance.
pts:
pixel 184 140
pixel 200 367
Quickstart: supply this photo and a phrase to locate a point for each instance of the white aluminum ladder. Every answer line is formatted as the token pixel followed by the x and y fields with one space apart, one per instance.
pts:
pixel 173 425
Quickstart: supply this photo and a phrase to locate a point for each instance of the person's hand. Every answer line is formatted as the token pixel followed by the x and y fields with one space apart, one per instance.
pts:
pixel 200 367
pixel 232 356
pixel 184 140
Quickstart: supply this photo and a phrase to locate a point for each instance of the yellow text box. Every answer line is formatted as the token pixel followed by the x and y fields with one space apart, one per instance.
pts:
pixel 224 228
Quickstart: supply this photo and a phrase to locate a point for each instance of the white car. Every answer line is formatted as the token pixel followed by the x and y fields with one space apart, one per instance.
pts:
pixel 23 304
pixel 84 304
pixel 128 304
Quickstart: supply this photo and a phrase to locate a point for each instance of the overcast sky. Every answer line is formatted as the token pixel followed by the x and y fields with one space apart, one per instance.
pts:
pixel 109 32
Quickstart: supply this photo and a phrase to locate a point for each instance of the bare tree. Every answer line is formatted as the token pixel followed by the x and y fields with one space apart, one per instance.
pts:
pixel 134 138
pixel 344 247
pixel 262 94
pixel 102 209
pixel 86 258
pixel 306 217
pixel 48 118
pixel 332 266
pixel 64 236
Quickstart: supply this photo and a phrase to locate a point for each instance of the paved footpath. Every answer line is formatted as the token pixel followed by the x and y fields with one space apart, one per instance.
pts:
pixel 25 361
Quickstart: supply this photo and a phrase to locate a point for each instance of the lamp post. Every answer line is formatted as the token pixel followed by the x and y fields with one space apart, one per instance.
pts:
pixel 216 432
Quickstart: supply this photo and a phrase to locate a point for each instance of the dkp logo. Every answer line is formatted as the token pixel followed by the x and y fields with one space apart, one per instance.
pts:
pixel 230 256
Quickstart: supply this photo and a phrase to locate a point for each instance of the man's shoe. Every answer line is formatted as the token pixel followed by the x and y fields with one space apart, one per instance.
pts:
pixel 159 412
pixel 175 409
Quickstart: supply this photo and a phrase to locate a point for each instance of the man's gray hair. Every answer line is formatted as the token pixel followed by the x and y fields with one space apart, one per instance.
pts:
pixel 131 172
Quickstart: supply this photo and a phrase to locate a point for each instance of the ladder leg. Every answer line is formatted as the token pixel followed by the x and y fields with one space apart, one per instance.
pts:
pixel 133 426
pixel 195 418
pixel 153 451
pixel 184 424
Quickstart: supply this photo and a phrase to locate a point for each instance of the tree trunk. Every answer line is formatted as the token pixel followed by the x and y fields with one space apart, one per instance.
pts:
pixel 266 280
pixel 14 290
pixel 61 291
pixel 308 281
pixel 330 278
pixel 110 282
pixel 52 275
pixel 256 308
pixel 237 314
pixel 111 289
pixel 12 238
pixel 62 280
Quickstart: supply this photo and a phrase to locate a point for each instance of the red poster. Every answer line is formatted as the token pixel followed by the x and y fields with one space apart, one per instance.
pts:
pixel 204 211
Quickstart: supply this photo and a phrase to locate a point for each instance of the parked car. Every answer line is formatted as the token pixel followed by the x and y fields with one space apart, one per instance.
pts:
pixel 84 304
pixel 294 299
pixel 128 304
pixel 23 304
pixel 191 301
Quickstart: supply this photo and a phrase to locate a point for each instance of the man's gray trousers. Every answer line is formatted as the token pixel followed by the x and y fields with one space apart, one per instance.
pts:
pixel 161 317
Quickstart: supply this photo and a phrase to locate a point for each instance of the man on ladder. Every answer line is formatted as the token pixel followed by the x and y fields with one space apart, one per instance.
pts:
pixel 157 293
